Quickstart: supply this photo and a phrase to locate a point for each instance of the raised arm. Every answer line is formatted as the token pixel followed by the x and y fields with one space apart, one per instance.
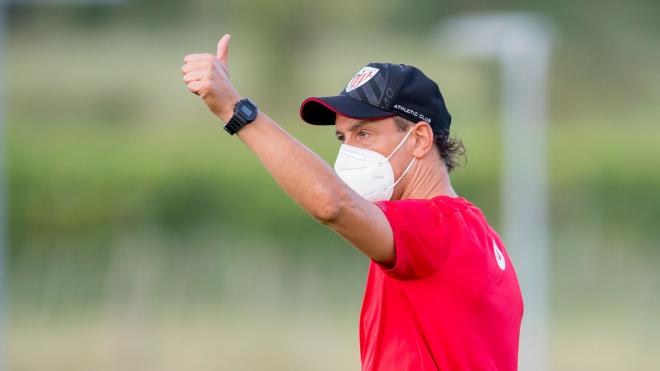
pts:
pixel 303 175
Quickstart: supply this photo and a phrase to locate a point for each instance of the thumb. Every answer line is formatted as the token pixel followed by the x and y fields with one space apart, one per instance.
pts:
pixel 223 50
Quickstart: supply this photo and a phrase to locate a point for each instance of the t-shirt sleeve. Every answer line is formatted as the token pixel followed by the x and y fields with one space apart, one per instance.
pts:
pixel 421 237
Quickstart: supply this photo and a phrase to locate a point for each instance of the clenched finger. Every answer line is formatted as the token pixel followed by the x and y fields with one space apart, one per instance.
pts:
pixel 198 87
pixel 195 76
pixel 196 65
pixel 199 57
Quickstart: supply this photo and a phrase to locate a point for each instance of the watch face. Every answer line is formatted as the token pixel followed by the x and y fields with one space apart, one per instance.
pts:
pixel 247 109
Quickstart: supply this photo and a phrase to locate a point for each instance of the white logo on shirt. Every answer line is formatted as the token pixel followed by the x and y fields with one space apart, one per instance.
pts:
pixel 498 256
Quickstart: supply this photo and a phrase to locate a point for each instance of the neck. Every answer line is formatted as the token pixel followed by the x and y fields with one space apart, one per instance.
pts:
pixel 427 179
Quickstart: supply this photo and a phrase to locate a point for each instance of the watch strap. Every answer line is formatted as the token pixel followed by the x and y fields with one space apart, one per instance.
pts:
pixel 233 125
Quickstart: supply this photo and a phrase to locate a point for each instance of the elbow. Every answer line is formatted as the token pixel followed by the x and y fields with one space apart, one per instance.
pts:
pixel 330 207
pixel 327 211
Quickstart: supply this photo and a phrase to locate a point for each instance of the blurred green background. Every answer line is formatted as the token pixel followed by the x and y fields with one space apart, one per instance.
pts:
pixel 142 237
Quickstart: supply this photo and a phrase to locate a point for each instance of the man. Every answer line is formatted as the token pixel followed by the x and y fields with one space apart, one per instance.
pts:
pixel 441 293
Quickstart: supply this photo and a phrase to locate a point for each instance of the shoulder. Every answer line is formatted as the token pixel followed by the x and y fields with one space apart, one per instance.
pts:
pixel 437 206
pixel 425 231
pixel 452 213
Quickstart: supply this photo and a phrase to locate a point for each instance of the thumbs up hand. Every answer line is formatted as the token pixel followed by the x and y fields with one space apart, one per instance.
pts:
pixel 207 75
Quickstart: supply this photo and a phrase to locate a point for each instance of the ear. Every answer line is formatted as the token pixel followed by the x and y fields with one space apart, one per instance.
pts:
pixel 423 135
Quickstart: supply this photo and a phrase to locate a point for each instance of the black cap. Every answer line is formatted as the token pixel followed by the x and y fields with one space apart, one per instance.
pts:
pixel 381 90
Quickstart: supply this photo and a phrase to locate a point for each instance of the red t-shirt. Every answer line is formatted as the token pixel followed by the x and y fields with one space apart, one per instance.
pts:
pixel 450 302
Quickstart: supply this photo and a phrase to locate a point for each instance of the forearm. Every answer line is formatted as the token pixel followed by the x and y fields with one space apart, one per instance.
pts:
pixel 309 181
pixel 302 174
pixel 305 177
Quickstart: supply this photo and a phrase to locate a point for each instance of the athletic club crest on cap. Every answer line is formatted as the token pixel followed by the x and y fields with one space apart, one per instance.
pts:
pixel 360 78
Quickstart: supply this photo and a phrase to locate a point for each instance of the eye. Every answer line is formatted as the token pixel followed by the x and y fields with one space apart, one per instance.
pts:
pixel 363 134
pixel 340 137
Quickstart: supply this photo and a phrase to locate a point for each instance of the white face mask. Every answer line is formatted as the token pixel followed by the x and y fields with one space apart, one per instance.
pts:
pixel 367 172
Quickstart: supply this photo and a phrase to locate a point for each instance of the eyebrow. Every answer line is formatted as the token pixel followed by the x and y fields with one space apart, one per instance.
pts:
pixel 353 127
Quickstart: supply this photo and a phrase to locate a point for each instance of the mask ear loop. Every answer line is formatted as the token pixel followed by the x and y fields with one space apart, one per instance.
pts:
pixel 412 162
pixel 400 144
pixel 410 165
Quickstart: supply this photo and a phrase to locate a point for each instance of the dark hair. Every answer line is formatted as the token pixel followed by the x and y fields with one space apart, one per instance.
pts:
pixel 451 149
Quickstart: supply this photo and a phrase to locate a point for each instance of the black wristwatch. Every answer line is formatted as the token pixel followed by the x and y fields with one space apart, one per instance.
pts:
pixel 245 111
